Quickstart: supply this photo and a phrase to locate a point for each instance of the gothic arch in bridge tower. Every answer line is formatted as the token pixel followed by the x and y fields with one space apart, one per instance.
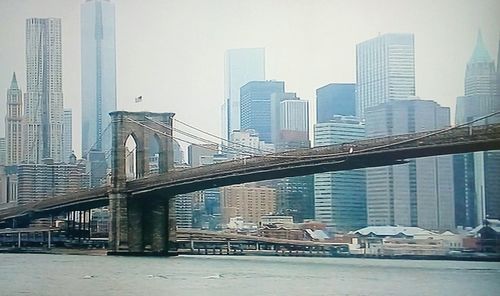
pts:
pixel 144 127
pixel 139 223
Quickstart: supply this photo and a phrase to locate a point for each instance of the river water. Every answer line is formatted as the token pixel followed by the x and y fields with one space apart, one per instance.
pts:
pixel 34 274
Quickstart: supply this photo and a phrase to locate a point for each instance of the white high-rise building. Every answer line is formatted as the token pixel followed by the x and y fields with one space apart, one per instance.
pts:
pixel 98 56
pixel 419 193
pixel 276 99
pixel 43 100
pixel 247 143
pixel 13 123
pixel 385 69
pixel 241 66
pixel 294 120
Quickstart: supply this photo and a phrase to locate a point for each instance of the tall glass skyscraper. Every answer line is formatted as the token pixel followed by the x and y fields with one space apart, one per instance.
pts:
pixel 98 73
pixel 385 69
pixel 255 100
pixel 419 193
pixel 340 197
pixel 335 99
pixel 476 174
pixel 43 100
pixel 241 66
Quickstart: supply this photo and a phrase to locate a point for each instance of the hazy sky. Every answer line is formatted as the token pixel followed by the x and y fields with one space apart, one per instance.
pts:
pixel 172 51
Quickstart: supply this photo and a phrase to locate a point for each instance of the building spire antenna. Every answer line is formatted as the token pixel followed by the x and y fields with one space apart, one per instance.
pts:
pixel 13 83
pixel 480 53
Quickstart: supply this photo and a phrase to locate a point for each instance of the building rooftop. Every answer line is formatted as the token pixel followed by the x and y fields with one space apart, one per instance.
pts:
pixel 390 231
pixel 492 223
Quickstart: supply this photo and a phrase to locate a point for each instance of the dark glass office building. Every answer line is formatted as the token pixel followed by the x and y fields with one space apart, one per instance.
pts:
pixel 255 100
pixel 335 99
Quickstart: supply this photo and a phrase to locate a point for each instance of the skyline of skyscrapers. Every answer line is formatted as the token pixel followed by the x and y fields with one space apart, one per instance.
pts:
pixel 385 69
pixel 291 124
pixel 43 100
pixel 98 60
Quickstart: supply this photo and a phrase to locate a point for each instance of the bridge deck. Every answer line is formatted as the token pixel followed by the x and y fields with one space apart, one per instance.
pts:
pixel 358 154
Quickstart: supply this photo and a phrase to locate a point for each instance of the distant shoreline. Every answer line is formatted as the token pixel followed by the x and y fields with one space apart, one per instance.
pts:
pixel 103 252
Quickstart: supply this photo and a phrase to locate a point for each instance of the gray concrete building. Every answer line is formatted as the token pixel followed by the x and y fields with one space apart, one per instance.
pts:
pixel 419 193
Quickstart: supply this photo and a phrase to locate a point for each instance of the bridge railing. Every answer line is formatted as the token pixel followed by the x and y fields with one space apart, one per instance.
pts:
pixel 451 135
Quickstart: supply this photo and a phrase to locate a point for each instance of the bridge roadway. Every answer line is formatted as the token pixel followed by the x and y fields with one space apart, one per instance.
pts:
pixel 359 154
pixel 184 236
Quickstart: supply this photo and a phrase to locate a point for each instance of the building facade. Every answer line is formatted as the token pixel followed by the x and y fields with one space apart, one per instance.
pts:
pixel 247 201
pixel 34 182
pixel 335 99
pixel 198 153
pixel 419 193
pixel 294 124
pixel 43 100
pixel 276 99
pixel 246 143
pixel 255 109
pixel 13 123
pixel 184 210
pixel 385 69
pixel 3 151
pixel 340 197
pixel 98 57
pixel 68 135
pixel 241 66
pixel 3 186
pixel 290 130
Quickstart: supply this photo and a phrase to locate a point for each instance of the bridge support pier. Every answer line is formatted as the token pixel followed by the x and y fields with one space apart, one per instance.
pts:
pixel 118 232
pixel 135 226
pixel 159 216
pixel 142 226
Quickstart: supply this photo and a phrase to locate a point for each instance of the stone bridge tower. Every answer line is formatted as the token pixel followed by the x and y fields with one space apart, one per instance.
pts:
pixel 140 223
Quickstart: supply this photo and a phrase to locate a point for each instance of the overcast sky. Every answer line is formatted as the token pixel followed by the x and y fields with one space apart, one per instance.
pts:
pixel 172 51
